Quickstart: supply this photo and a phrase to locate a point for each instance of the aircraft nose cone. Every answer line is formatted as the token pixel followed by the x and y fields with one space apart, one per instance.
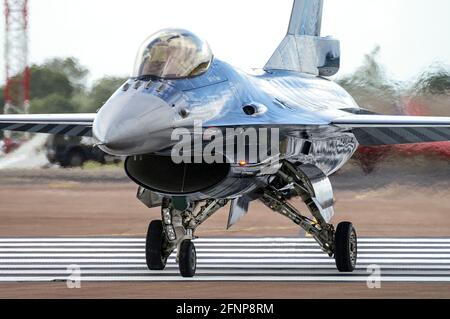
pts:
pixel 136 125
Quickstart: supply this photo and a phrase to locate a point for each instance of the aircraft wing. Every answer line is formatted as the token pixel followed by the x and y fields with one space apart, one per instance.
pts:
pixel 371 130
pixel 58 124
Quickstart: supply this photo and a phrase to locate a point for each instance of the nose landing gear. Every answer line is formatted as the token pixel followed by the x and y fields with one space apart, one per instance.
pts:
pixel 176 231
pixel 156 251
pixel 187 259
pixel 155 245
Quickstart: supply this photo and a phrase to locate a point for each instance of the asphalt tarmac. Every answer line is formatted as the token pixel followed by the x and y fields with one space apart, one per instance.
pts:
pixel 101 203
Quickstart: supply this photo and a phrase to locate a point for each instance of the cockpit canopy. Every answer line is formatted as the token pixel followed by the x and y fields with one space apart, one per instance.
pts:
pixel 173 54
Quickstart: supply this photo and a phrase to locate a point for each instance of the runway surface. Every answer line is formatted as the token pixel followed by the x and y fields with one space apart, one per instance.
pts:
pixel 222 259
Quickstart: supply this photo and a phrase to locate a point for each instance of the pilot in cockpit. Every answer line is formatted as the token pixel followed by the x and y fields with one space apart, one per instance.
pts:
pixel 173 54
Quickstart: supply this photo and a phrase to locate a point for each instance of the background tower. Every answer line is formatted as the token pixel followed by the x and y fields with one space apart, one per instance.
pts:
pixel 17 88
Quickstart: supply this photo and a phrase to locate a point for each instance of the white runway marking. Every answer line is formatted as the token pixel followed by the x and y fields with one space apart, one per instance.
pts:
pixel 223 259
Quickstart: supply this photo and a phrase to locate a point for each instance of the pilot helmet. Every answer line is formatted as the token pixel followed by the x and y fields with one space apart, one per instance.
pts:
pixel 172 54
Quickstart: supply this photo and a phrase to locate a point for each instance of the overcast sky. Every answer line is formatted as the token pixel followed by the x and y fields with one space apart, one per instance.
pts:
pixel 105 34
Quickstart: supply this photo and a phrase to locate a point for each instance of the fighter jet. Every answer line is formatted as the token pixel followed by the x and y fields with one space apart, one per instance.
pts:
pixel 308 124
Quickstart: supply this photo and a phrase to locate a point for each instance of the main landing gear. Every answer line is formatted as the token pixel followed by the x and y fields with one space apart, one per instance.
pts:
pixel 313 186
pixel 175 232
pixel 346 247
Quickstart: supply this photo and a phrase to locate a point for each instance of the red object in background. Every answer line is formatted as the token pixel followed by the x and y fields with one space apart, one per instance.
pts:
pixel 9 145
pixel 436 149
pixel 369 157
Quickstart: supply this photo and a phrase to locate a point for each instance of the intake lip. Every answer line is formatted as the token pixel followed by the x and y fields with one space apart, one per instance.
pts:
pixel 160 174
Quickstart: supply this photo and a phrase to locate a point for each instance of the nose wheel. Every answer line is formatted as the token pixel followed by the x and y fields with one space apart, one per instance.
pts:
pixel 156 251
pixel 187 259
pixel 154 246
pixel 346 247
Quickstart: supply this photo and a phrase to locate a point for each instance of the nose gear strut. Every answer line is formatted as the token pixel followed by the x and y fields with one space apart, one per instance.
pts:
pixel 176 231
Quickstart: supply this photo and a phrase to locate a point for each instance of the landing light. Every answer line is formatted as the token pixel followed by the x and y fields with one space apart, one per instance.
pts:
pixel 167 216
pixel 242 163
pixel 171 233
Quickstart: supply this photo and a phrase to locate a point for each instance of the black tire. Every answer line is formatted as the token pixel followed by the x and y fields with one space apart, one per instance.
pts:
pixel 154 246
pixel 187 259
pixel 76 159
pixel 346 246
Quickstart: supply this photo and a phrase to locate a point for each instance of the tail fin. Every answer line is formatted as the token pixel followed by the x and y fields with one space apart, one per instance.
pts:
pixel 306 18
pixel 303 50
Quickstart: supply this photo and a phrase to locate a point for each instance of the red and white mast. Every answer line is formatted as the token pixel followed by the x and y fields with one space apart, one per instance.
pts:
pixel 17 88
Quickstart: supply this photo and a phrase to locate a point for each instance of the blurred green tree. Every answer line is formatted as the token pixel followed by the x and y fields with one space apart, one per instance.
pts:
pixel 53 85
pixel 53 103
pixel 435 81
pixel 71 68
pixel 57 79
pixel 45 81
pixel 102 91
pixel 371 87
pixel 59 86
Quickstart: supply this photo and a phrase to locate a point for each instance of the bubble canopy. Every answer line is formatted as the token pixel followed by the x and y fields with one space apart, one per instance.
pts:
pixel 172 54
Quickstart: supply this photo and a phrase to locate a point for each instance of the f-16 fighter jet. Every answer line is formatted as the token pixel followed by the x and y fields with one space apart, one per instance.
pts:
pixel 199 134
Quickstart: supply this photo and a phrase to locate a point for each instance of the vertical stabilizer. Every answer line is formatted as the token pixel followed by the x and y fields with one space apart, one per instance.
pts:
pixel 306 18
pixel 303 50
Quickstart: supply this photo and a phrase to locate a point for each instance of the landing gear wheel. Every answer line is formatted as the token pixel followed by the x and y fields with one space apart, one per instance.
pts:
pixel 346 247
pixel 154 253
pixel 76 159
pixel 187 259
